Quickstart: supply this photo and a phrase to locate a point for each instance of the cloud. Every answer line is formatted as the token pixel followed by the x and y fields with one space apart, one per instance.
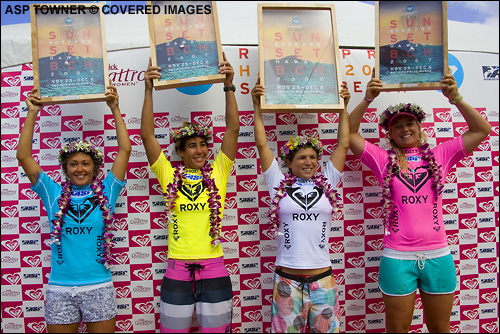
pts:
pixel 481 6
pixel 491 21
pixel 484 12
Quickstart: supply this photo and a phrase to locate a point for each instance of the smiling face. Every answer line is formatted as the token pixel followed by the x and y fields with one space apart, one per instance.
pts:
pixel 195 152
pixel 80 169
pixel 304 163
pixel 405 131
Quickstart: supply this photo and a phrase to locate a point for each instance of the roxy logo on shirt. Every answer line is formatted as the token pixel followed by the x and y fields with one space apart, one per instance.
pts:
pixel 192 191
pixel 414 179
pixel 306 201
pixel 80 212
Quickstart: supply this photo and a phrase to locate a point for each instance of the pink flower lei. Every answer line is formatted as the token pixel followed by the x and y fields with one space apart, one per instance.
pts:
pixel 64 204
pixel 390 172
pixel 319 180
pixel 214 198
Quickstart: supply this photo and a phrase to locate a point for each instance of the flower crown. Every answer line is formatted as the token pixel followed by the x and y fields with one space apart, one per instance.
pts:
pixel 84 147
pixel 414 110
pixel 190 129
pixel 301 141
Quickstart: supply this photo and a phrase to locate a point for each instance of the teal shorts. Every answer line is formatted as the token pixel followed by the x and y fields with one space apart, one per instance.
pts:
pixel 398 277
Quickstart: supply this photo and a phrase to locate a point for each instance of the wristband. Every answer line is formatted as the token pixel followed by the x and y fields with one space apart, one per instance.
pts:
pixel 457 99
pixel 232 88
pixel 368 100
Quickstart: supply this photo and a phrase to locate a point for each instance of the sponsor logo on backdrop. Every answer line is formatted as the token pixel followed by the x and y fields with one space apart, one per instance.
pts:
pixel 490 72
pixel 463 184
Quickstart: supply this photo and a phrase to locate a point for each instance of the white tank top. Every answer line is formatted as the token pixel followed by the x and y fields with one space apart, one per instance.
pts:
pixel 306 219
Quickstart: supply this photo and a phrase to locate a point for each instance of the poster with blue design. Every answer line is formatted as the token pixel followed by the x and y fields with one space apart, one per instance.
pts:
pixel 69 54
pixel 185 43
pixel 411 44
pixel 299 58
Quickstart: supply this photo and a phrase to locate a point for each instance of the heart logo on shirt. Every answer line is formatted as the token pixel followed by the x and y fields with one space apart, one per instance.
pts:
pixel 306 201
pixel 192 191
pixel 80 212
pixel 414 180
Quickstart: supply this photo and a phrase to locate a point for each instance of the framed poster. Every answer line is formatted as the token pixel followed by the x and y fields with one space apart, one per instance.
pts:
pixel 411 44
pixel 299 58
pixel 69 54
pixel 185 43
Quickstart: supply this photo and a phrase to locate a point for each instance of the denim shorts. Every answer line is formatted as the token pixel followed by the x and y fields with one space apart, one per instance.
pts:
pixel 68 305
pixel 402 273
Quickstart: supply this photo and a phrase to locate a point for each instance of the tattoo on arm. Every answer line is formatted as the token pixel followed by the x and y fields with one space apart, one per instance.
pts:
pixel 35 176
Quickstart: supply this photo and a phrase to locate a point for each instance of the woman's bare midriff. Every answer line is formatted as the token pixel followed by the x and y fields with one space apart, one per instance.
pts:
pixel 303 272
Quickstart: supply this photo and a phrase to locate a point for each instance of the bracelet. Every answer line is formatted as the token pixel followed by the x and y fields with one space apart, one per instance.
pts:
pixel 368 100
pixel 232 88
pixel 457 99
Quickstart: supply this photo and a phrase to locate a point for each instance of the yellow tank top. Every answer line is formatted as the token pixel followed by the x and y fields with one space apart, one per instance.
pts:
pixel 188 230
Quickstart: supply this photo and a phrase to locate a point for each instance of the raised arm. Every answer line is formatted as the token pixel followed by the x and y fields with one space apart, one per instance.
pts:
pixel 338 156
pixel 119 167
pixel 230 140
pixel 24 152
pixel 265 153
pixel 151 144
pixel 479 128
pixel 356 116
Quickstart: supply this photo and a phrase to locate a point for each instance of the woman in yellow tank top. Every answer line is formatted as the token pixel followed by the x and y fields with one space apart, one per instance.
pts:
pixel 194 191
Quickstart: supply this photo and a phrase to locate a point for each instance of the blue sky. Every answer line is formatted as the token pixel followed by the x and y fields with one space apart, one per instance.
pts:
pixel 483 12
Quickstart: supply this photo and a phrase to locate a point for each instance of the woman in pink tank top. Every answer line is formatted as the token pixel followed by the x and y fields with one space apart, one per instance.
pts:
pixel 412 177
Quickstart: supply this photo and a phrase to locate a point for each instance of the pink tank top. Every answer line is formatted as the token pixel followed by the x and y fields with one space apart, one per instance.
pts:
pixel 417 222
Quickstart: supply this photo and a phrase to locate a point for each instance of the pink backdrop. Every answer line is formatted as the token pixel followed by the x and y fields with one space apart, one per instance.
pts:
pixel 470 198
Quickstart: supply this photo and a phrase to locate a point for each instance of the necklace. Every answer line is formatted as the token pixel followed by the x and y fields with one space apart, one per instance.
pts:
pixel 319 180
pixel 214 198
pixel 64 204
pixel 392 168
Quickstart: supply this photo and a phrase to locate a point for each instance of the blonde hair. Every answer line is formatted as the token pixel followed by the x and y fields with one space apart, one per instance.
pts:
pixel 422 139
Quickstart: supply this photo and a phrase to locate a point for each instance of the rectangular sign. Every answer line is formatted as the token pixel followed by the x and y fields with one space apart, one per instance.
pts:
pixel 185 43
pixel 69 54
pixel 411 44
pixel 299 58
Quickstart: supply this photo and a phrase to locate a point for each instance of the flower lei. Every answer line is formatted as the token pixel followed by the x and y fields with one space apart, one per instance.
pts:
pixel 85 147
pixel 213 199
pixel 319 180
pixel 64 204
pixel 300 141
pixel 389 113
pixel 390 172
pixel 189 129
